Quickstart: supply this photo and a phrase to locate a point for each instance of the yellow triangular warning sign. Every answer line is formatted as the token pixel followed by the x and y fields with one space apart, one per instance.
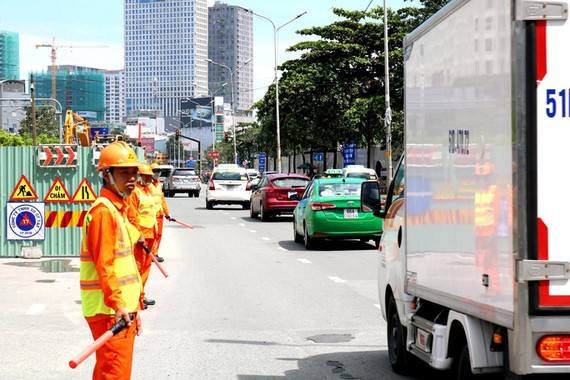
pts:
pixel 23 191
pixel 57 192
pixel 84 193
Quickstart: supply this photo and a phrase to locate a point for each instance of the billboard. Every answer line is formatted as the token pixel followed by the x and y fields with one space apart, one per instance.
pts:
pixel 196 113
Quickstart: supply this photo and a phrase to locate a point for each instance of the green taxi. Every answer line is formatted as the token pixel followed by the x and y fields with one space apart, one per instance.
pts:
pixel 330 209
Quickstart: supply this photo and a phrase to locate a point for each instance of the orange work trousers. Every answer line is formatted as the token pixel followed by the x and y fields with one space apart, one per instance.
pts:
pixel 143 259
pixel 114 360
pixel 158 238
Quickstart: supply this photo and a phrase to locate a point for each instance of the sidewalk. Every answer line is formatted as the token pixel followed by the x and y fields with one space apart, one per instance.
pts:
pixel 42 324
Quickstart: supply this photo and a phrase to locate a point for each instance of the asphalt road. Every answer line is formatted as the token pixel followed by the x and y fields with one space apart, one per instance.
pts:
pixel 242 301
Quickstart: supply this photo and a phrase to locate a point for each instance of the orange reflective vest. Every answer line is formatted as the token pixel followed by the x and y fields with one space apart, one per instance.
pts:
pixel 147 210
pixel 124 267
pixel 161 206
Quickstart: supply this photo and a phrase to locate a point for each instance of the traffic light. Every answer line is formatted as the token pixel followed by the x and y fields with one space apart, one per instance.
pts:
pixel 226 137
pixel 177 135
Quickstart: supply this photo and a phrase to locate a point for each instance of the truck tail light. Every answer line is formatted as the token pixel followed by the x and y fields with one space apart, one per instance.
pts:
pixel 319 206
pixel 554 348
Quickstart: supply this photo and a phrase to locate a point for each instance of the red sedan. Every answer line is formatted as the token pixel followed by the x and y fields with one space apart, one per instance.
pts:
pixel 276 194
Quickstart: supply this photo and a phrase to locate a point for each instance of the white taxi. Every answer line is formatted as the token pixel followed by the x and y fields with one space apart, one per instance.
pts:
pixel 229 184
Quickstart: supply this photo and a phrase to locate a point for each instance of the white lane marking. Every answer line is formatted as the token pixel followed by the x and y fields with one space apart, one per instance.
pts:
pixel 283 249
pixel 233 217
pixel 241 224
pixel 338 280
pixel 265 238
pixel 36 309
pixel 305 261
pixel 378 306
pixel 252 231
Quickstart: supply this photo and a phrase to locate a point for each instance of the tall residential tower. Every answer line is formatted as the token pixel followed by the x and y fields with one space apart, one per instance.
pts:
pixel 166 47
pixel 230 29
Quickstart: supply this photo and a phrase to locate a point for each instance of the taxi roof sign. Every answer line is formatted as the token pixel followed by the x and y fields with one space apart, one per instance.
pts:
pixel 23 191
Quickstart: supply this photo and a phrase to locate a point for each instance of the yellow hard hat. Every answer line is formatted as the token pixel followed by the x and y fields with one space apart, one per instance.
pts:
pixel 145 169
pixel 154 165
pixel 117 154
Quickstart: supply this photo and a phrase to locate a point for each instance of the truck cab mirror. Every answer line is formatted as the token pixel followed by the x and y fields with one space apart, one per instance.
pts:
pixel 370 198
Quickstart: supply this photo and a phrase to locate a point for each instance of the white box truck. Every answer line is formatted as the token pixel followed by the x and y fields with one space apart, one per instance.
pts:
pixel 475 257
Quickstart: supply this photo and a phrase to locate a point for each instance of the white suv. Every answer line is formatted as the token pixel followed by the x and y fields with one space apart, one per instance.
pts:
pixel 229 184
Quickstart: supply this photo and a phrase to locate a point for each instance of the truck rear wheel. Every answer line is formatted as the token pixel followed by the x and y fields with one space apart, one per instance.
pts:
pixel 399 357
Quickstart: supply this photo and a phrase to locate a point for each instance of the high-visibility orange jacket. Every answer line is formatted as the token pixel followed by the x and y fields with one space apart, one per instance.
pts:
pixel 109 277
pixel 142 210
pixel 162 207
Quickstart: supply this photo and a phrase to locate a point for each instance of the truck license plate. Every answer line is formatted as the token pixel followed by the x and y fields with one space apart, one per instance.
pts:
pixel 350 213
pixel 423 340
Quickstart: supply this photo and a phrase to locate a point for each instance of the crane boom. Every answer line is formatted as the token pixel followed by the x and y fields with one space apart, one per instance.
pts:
pixel 54 47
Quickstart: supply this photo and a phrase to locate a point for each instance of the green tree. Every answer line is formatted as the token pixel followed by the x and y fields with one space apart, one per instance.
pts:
pixel 334 92
pixel 46 124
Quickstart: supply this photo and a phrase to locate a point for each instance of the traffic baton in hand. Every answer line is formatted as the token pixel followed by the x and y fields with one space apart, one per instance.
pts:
pixel 181 223
pixel 147 250
pixel 114 330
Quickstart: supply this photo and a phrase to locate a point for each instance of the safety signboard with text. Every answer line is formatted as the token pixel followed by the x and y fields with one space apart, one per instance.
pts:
pixel 57 192
pixel 25 221
pixel 23 191
pixel 84 193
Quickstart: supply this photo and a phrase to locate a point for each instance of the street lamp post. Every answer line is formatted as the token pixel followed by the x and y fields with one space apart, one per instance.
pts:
pixel 277 123
pixel 232 98
pixel 388 115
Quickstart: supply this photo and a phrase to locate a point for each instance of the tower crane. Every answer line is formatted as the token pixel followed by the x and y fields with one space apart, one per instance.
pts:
pixel 54 48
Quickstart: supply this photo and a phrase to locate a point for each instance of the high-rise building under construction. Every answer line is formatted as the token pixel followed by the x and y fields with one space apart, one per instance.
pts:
pixel 9 55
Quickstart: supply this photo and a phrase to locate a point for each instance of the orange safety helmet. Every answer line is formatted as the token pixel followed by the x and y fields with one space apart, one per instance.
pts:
pixel 154 165
pixel 145 169
pixel 117 154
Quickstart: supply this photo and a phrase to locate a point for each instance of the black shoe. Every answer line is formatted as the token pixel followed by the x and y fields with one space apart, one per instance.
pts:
pixel 159 259
pixel 148 301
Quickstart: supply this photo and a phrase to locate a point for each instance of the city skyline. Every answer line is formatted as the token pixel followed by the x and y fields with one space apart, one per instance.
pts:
pixel 69 26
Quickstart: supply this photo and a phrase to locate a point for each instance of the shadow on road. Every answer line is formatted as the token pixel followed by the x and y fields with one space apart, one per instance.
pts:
pixel 361 365
pixel 330 245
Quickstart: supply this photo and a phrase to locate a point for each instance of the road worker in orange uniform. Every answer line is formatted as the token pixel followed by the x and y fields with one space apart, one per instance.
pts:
pixel 161 207
pixel 111 287
pixel 142 214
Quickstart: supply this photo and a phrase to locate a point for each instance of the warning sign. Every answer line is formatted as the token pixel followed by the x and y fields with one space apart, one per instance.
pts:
pixel 23 191
pixel 84 193
pixel 57 192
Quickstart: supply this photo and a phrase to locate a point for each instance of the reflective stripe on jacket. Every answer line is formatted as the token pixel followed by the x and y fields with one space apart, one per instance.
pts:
pixel 124 267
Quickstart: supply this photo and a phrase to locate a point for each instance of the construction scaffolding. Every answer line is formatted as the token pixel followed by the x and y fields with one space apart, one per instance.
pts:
pixel 9 55
pixel 79 89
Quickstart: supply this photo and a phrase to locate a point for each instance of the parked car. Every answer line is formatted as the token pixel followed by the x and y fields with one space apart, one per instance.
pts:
pixel 229 184
pixel 276 194
pixel 182 180
pixel 330 209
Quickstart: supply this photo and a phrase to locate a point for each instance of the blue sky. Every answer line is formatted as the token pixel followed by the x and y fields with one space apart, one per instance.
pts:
pixel 100 22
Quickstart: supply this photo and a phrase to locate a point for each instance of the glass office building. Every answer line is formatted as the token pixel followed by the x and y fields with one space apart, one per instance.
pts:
pixel 231 44
pixel 166 47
